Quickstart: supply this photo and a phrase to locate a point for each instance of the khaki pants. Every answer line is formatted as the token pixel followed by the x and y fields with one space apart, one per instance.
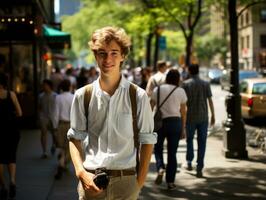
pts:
pixel 119 188
pixel 62 141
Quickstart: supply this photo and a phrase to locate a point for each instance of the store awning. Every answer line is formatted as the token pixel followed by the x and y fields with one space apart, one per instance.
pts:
pixel 56 39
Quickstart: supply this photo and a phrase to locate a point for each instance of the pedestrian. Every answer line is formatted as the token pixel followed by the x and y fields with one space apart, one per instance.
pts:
pixel 184 73
pixel 145 76
pixel 9 111
pixel 46 115
pixel 108 148
pixel 82 78
pixel 56 78
pixel 71 78
pixel 172 103
pixel 93 74
pixel 61 125
pixel 158 78
pixel 199 93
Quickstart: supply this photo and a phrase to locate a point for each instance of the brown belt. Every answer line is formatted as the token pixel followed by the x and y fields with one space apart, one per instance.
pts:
pixel 117 173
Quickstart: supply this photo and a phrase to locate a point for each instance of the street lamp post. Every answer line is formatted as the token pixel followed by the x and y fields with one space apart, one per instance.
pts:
pixel 234 139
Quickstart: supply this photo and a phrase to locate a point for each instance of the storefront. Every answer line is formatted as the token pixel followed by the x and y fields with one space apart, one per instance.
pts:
pixel 22 45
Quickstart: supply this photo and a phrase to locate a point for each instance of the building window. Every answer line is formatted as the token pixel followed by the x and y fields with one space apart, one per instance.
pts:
pixel 263 15
pixel 241 21
pixel 263 41
pixel 247 18
pixel 248 41
pixel 242 43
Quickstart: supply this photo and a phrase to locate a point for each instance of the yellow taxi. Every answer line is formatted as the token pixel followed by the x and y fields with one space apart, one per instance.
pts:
pixel 253 97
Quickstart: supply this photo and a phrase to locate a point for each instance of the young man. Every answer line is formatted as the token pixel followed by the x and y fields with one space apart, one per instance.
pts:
pixel 158 78
pixel 61 124
pixel 198 94
pixel 46 114
pixel 107 132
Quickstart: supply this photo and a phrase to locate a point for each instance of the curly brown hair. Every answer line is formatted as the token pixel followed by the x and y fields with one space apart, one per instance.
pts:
pixel 107 34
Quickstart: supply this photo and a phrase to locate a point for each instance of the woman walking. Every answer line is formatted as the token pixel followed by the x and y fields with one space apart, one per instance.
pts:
pixel 9 111
pixel 171 100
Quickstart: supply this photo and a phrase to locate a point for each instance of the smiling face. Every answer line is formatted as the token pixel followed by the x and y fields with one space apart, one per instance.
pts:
pixel 109 57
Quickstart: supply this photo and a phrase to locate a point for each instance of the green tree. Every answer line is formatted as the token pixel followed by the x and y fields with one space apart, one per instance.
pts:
pixel 209 46
pixel 94 15
pixel 184 13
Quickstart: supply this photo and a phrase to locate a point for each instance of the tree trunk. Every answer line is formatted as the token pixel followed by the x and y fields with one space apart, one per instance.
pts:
pixel 148 49
pixel 189 41
pixel 156 51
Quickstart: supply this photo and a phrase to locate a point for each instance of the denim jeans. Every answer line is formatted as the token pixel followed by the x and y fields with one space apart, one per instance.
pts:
pixel 171 131
pixel 202 129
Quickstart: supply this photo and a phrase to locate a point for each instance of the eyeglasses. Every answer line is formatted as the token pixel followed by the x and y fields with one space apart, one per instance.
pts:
pixel 103 54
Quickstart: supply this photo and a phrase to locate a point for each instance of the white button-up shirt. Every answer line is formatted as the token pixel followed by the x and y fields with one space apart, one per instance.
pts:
pixel 63 104
pixel 109 141
pixel 155 80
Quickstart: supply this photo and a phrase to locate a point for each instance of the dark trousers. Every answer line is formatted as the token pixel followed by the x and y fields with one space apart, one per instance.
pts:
pixel 202 131
pixel 171 131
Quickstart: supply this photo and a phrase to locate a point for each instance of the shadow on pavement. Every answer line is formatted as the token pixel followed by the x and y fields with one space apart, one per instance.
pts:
pixel 218 183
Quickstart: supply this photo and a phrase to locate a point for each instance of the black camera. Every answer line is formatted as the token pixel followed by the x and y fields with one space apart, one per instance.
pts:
pixel 101 178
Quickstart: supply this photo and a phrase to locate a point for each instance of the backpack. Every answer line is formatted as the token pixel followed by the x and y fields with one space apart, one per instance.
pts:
pixel 133 100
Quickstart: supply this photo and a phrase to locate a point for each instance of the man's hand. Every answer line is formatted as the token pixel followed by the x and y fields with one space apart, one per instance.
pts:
pixel 183 134
pixel 212 120
pixel 86 179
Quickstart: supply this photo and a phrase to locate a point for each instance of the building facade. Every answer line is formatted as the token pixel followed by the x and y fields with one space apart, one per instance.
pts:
pixel 252 37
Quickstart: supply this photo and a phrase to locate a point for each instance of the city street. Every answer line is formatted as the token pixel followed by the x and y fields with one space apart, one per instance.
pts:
pixel 223 178
pixel 49 49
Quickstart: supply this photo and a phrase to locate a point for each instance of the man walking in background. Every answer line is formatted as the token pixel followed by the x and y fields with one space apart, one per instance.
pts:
pixel 158 78
pixel 46 115
pixel 198 94
pixel 61 123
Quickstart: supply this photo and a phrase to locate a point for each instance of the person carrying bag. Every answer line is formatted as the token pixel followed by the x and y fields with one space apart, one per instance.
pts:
pixel 158 120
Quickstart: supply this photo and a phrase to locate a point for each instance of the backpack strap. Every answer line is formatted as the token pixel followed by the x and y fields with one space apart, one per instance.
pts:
pixel 133 99
pixel 87 99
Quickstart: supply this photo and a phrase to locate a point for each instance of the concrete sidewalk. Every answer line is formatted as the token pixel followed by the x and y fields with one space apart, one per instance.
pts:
pixel 223 178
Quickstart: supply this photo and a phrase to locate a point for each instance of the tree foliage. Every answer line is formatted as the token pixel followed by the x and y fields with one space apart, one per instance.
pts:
pixel 92 16
pixel 209 46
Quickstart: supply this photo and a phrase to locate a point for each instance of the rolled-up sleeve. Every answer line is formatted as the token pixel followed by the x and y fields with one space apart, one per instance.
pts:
pixel 77 117
pixel 145 119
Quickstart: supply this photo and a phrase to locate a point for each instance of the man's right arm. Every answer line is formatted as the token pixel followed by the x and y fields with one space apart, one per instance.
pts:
pixel 76 134
pixel 85 177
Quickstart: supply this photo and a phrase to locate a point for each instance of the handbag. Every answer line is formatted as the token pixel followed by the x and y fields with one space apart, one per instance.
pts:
pixel 158 120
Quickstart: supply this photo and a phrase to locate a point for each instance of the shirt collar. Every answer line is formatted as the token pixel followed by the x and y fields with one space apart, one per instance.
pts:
pixel 122 84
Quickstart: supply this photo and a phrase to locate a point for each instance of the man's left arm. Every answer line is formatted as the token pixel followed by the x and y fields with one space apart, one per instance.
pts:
pixel 212 111
pixel 147 137
pixel 209 97
pixel 145 157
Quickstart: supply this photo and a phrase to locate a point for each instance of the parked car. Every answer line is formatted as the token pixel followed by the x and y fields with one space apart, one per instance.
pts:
pixel 243 74
pixel 253 97
pixel 214 75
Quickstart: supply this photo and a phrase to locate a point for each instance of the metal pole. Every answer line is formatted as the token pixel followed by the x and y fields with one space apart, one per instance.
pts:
pixel 235 136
